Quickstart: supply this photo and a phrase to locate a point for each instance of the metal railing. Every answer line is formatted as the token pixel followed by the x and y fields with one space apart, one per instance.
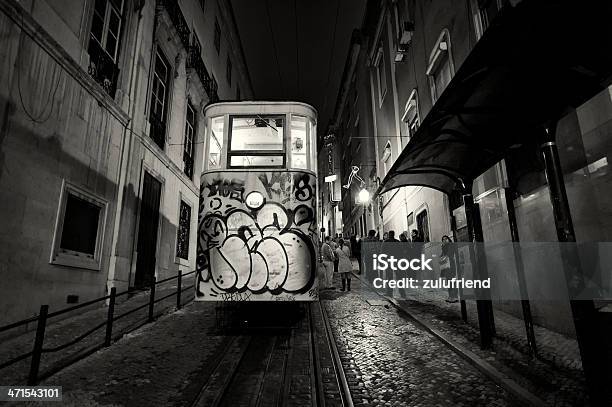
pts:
pixel 195 62
pixel 178 19
pixel 43 317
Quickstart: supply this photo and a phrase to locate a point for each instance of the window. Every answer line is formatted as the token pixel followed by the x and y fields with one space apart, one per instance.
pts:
pixel 386 155
pixel 479 17
pixel 440 69
pixel 257 141
pixel 79 229
pixel 299 142
pixel 423 225
pixel 217 36
pixel 103 46
pixel 190 126
pixel 159 99
pixel 411 118
pixel 410 220
pixel 228 71
pixel 184 226
pixel 215 143
pixel 381 75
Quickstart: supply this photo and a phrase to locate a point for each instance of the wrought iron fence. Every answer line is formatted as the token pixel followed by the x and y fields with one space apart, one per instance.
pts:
pixel 195 62
pixel 44 316
pixel 178 20
pixel 102 68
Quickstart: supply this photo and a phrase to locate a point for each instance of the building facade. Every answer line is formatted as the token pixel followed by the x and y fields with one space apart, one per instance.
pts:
pixel 469 141
pixel 102 141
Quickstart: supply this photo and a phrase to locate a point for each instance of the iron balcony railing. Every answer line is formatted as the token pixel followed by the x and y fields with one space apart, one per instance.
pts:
pixel 102 68
pixel 178 20
pixel 195 62
pixel 188 167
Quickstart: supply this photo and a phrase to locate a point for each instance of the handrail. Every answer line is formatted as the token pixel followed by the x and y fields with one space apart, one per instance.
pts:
pixel 43 317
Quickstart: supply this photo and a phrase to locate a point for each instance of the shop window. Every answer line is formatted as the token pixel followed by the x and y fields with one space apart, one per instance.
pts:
pixel 184 227
pixel 103 48
pixel 440 69
pixel 79 229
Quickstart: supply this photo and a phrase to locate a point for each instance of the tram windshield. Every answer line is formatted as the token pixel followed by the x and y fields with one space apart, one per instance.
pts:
pixel 251 140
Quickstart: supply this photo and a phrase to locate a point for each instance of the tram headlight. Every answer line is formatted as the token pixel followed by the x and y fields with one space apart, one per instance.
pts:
pixel 255 200
pixel 364 196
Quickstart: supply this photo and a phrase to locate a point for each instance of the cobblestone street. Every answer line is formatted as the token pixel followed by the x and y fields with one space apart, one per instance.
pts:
pixel 396 363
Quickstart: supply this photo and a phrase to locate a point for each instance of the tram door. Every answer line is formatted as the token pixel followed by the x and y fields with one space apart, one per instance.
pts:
pixel 147 231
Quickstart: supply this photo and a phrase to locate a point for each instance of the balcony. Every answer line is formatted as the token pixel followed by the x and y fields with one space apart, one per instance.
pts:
pixel 102 68
pixel 195 62
pixel 157 130
pixel 178 20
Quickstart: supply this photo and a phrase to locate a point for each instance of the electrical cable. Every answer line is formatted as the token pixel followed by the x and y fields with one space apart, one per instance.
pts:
pixel 297 48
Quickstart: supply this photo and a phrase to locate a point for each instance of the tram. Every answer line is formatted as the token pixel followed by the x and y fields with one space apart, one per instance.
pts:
pixel 257 238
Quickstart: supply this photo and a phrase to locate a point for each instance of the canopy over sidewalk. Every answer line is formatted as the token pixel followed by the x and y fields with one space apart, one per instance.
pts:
pixel 536 62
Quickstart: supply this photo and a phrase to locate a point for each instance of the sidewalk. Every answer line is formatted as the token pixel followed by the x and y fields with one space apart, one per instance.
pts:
pixel 68 329
pixel 556 376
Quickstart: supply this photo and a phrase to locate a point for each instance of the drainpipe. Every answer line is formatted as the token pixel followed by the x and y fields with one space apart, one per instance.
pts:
pixel 588 324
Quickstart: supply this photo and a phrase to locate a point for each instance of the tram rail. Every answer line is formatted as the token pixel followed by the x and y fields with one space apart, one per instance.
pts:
pixel 261 370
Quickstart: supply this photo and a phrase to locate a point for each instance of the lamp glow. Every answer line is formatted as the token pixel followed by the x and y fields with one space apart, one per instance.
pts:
pixel 364 196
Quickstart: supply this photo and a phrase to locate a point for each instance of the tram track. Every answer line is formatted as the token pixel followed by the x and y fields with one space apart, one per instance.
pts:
pixel 294 366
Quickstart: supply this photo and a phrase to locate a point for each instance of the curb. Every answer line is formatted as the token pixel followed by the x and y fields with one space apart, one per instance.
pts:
pixel 483 366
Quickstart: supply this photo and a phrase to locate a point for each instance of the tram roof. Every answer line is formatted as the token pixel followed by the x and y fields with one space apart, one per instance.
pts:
pixel 262 106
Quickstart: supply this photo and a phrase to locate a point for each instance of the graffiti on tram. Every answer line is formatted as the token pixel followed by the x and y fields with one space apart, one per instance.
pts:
pixel 260 251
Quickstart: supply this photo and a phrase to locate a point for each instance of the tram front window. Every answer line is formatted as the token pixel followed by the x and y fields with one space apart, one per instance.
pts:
pixel 257 141
pixel 299 142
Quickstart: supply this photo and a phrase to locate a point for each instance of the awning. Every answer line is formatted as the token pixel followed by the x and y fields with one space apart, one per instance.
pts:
pixel 536 62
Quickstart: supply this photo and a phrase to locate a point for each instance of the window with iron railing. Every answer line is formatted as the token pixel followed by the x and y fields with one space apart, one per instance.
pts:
pixel 159 99
pixel 103 48
pixel 184 227
pixel 178 20
pixel 190 126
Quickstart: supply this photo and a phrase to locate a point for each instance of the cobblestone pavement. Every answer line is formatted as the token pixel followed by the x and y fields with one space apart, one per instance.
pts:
pixel 393 362
pixel 79 322
pixel 556 377
pixel 160 364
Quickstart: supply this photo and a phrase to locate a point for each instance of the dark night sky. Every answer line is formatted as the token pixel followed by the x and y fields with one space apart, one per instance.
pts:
pixel 298 70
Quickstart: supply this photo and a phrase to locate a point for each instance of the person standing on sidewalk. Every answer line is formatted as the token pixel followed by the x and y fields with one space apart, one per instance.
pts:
pixel 447 266
pixel 344 264
pixel 328 257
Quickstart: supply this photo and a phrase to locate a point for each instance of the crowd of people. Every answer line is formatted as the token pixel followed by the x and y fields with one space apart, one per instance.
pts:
pixel 336 256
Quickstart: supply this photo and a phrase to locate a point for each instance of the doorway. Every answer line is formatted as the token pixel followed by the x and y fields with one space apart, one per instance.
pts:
pixel 147 231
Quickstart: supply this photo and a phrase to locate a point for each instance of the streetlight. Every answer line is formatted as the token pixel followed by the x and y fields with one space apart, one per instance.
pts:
pixel 364 196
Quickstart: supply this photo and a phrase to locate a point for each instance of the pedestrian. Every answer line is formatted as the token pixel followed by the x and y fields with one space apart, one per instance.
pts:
pixel 334 246
pixel 327 257
pixel 385 236
pixel 344 264
pixel 403 237
pixel 391 237
pixel 415 236
pixel 447 267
